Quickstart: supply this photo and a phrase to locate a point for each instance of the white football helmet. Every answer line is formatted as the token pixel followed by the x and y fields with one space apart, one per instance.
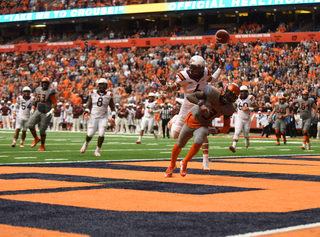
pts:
pixel 198 61
pixel 243 88
pixel 59 103
pixel 197 65
pixel 102 81
pixel 26 88
pixel 151 94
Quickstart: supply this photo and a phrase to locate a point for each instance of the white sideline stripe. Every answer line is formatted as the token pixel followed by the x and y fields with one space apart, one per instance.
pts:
pixel 153 159
pixel 56 159
pixel 25 157
pixel 165 151
pixel 4 156
pixel 284 149
pixel 275 231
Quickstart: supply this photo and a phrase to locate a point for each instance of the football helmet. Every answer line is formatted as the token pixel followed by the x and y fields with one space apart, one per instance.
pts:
pixel 282 99
pixel 26 88
pixel 151 96
pixel 305 95
pixel 45 82
pixel 230 93
pixel 26 92
pixel 244 92
pixel 103 85
pixel 197 65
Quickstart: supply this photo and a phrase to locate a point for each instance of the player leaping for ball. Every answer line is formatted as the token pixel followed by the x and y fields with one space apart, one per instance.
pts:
pixel 98 103
pixel 193 79
pixel 208 105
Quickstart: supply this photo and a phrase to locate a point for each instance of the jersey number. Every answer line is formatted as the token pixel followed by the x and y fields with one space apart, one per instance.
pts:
pixel 304 105
pixel 41 98
pixel 245 104
pixel 197 88
pixel 23 105
pixel 212 113
pixel 99 102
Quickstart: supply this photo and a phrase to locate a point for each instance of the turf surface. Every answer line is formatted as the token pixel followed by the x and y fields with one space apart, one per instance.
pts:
pixel 124 193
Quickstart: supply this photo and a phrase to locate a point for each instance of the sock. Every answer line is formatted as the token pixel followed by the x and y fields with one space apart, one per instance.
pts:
pixel 305 138
pixel 139 138
pixel 14 140
pixel 234 144
pixel 22 141
pixel 43 139
pixel 205 156
pixel 175 153
pixel 193 151
pixel 98 149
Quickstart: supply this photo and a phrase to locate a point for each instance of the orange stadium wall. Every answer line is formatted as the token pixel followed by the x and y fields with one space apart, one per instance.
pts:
pixel 147 42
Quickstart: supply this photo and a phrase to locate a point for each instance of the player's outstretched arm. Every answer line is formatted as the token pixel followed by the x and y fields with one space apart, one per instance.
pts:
pixel 216 75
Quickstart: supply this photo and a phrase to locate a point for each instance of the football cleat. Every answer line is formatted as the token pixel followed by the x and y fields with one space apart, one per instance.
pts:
pixel 21 144
pixel 278 144
pixel 13 144
pixel 35 142
pixel 84 148
pixel 97 153
pixel 169 171
pixel 303 146
pixel 155 136
pixel 231 148
pixel 308 146
pixel 138 142
pixel 205 165
pixel 183 169
pixel 42 148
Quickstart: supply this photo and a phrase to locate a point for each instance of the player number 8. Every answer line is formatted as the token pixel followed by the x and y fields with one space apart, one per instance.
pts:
pixel 99 103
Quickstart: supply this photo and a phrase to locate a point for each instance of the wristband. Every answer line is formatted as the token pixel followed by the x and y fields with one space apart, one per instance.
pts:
pixel 200 103
pixel 251 108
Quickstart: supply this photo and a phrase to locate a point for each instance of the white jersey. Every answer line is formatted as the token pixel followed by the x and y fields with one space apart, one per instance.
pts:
pixel 24 107
pixel 245 114
pixel 100 103
pixel 150 108
pixel 68 111
pixel 132 114
pixel 190 85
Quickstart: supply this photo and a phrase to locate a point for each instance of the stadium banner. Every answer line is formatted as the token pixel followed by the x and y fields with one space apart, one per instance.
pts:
pixel 146 8
pixel 218 122
pixel 147 42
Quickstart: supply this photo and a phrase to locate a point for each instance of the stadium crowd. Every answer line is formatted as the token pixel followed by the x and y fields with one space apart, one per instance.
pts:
pixel 269 69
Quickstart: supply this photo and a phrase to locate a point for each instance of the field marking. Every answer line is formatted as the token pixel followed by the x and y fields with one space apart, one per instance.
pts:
pixel 25 157
pixel 153 159
pixel 284 149
pixel 166 152
pixel 4 156
pixel 276 231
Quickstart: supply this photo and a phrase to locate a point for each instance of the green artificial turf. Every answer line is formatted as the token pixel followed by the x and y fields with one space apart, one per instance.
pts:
pixel 65 147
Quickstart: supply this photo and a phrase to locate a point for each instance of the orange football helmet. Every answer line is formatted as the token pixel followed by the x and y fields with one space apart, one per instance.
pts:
pixel 230 93
pixel 282 99
pixel 45 79
pixel 305 94
pixel 45 82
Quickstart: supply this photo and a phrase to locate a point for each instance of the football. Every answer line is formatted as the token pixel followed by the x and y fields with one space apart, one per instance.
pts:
pixel 222 36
